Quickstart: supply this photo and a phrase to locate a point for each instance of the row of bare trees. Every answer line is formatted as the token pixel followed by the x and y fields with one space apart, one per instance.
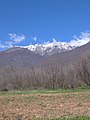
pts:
pixel 51 77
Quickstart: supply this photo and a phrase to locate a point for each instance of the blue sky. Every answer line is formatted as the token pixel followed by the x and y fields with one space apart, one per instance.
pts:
pixel 30 21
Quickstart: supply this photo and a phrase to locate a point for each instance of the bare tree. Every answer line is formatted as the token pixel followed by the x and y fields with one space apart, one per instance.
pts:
pixel 83 71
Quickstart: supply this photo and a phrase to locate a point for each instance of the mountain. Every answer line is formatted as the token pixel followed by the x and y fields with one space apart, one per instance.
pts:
pixel 21 68
pixel 68 57
pixel 25 57
pixel 48 49
pixel 19 56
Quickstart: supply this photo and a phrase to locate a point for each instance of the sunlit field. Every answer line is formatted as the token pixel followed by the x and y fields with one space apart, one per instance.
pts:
pixel 45 105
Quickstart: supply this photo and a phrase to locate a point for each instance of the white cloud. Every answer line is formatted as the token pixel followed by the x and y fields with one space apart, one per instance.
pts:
pixel 80 40
pixel 54 40
pixel 13 40
pixel 34 38
pixel 16 38
pixel 77 40
pixel 2 45
pixel 9 44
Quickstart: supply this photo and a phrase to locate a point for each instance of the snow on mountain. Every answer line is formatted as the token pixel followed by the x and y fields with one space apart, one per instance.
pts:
pixel 54 47
pixel 49 48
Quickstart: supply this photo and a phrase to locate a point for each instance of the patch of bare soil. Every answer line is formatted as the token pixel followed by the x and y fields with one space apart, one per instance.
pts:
pixel 46 106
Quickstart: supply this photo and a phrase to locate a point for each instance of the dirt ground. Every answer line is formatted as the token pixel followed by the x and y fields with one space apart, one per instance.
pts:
pixel 45 106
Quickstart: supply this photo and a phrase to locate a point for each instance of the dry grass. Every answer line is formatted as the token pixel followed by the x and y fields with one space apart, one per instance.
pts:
pixel 44 106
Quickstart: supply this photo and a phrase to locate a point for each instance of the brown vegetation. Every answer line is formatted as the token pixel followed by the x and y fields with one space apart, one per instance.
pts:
pixel 51 77
pixel 45 106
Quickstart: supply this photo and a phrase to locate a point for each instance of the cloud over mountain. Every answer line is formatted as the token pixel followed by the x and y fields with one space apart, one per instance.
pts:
pixel 81 40
pixel 48 46
pixel 14 39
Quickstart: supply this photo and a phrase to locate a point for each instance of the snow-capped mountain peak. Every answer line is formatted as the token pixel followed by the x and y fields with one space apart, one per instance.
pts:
pixel 49 48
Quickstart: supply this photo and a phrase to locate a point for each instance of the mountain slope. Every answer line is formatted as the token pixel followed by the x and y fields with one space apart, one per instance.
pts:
pixel 68 57
pixel 26 58
pixel 19 56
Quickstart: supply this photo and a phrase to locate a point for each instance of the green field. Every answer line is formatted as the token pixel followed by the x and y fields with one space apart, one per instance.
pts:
pixel 44 91
pixel 45 105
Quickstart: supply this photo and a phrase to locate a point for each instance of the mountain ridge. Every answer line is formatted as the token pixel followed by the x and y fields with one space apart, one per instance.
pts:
pixel 50 48
pixel 18 56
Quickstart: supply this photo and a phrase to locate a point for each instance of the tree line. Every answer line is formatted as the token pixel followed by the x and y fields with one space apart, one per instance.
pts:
pixel 51 77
